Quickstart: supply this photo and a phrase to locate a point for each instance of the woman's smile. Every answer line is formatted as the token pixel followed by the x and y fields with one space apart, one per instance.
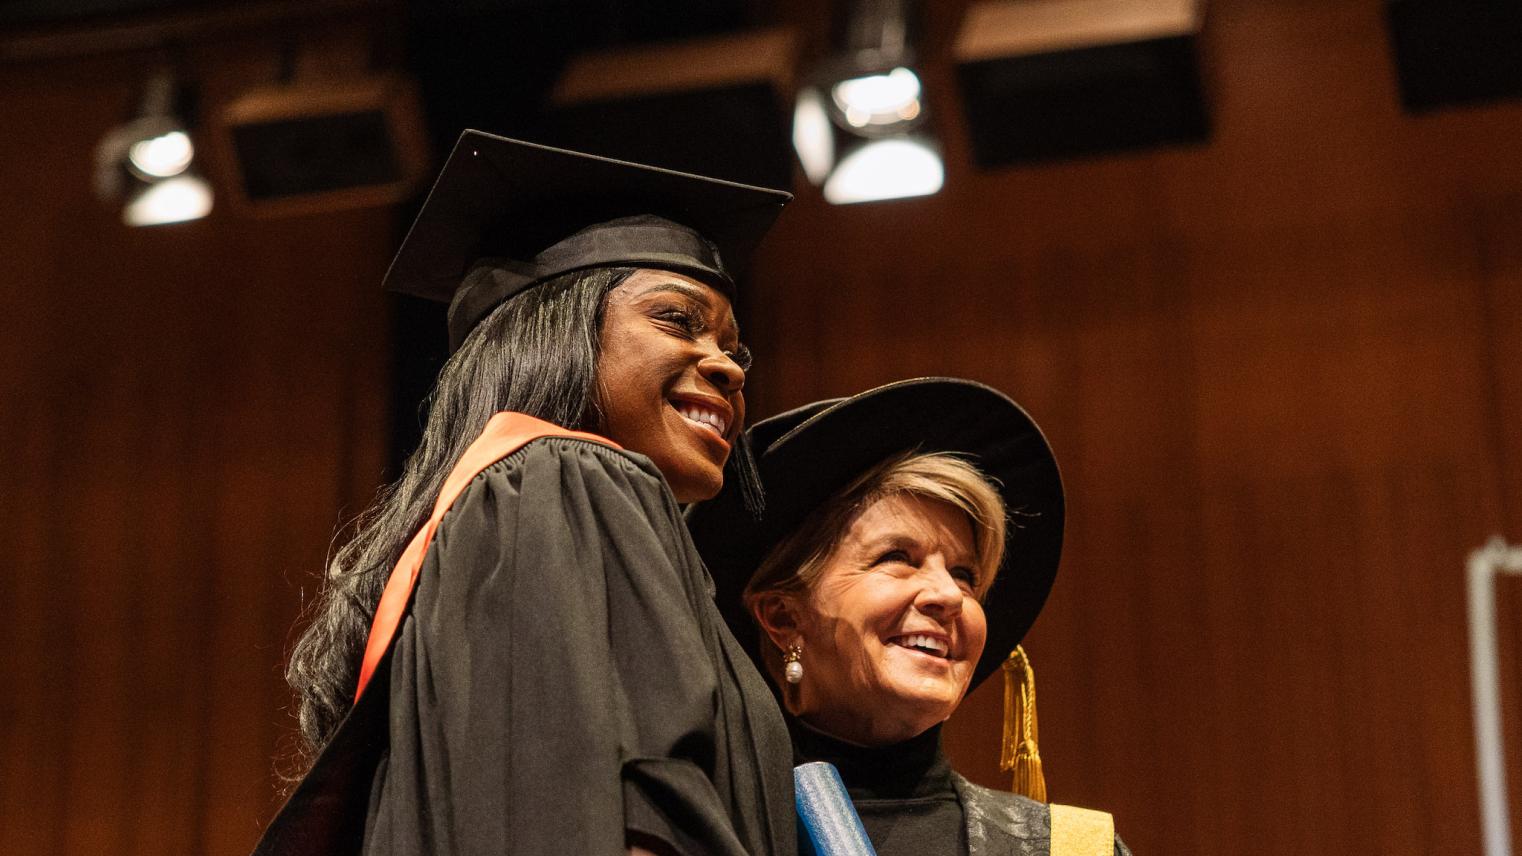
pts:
pixel 933 645
pixel 709 417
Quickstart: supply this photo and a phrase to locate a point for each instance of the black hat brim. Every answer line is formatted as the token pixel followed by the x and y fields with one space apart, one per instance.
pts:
pixel 810 454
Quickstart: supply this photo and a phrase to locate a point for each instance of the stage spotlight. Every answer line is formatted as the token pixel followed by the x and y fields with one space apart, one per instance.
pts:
pixel 857 122
pixel 147 164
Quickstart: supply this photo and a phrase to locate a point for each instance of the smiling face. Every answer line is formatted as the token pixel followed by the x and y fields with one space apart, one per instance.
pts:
pixel 670 376
pixel 892 628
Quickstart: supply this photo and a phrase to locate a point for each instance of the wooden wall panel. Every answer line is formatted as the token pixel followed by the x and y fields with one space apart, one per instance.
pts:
pixel 189 412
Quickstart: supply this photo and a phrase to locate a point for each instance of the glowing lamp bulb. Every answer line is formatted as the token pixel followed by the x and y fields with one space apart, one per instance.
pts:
pixel 173 200
pixel 162 156
pixel 879 99
pixel 813 137
pixel 885 169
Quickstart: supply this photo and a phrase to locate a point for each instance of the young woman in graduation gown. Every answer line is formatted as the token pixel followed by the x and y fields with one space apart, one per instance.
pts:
pixel 538 663
pixel 910 537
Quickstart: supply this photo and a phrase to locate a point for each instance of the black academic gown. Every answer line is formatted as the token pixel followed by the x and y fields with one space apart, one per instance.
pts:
pixel 561 678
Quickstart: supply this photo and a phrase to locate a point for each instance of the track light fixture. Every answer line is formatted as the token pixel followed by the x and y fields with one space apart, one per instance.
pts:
pixel 859 120
pixel 147 164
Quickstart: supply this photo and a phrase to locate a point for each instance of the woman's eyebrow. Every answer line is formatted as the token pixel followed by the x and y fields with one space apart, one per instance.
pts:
pixel 905 541
pixel 682 288
pixel 891 541
pixel 731 328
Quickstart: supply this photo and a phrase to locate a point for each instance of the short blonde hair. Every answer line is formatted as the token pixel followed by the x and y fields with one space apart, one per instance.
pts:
pixel 795 564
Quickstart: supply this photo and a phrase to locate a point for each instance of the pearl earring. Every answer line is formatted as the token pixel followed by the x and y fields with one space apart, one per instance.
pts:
pixel 793 671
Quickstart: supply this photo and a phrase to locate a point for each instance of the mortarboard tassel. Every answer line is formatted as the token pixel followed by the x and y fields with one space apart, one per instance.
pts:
pixel 1019 753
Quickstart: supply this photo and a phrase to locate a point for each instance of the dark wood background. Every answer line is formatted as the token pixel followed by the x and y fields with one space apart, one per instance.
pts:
pixel 1282 370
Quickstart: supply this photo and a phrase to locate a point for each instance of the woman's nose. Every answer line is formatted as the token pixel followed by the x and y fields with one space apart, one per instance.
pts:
pixel 939 593
pixel 720 369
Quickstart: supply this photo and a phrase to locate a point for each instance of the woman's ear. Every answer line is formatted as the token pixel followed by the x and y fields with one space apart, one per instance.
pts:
pixel 778 617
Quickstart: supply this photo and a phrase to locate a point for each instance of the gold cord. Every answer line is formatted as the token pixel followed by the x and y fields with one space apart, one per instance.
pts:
pixel 1019 753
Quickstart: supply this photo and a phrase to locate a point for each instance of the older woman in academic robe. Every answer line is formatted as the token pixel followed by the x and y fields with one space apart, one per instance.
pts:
pixel 910 538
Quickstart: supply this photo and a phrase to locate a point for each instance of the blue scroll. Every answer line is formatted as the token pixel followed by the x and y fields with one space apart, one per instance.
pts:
pixel 827 822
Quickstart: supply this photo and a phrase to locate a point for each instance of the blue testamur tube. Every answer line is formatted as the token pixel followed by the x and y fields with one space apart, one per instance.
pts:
pixel 827 822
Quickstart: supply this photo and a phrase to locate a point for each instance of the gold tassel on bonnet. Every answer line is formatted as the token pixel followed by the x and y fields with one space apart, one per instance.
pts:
pixel 1019 753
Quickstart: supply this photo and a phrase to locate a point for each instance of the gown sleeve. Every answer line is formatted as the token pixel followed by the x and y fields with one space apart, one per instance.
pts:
pixel 553 689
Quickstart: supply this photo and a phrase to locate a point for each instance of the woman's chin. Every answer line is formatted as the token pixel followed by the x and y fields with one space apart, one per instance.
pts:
pixel 918 708
pixel 692 478
pixel 696 487
pixel 892 719
pixel 905 725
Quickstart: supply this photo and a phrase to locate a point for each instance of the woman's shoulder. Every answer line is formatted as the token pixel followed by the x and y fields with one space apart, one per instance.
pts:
pixel 584 452
pixel 558 497
pixel 993 816
pixel 574 483
pixel 579 457
pixel 1007 812
pixel 558 492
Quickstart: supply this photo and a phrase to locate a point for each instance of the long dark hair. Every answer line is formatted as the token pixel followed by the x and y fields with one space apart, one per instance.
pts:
pixel 537 353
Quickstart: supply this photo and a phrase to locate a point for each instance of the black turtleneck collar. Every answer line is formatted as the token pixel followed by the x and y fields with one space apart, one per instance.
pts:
pixel 913 769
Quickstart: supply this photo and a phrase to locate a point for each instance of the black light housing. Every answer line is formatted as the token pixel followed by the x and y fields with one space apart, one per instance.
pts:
pixel 1449 54
pixel 1067 78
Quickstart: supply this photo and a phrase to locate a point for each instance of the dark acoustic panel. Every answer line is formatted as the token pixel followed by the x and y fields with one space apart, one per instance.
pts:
pixel 1096 100
pixel 1449 54
pixel 306 147
pixel 315 154
pixel 739 132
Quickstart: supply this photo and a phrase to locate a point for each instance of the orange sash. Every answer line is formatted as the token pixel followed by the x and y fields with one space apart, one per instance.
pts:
pixel 504 434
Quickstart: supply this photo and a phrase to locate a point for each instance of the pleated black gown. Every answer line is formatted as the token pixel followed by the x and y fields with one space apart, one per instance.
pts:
pixel 562 679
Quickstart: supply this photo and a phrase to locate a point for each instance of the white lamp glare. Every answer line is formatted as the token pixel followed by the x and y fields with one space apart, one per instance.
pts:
pixel 173 200
pixel 879 99
pixel 162 156
pixel 813 138
pixel 886 169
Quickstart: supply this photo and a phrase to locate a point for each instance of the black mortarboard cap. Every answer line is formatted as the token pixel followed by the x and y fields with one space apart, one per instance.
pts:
pixel 505 215
pixel 810 454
